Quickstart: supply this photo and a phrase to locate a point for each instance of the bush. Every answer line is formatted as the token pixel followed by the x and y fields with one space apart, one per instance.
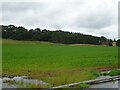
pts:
pixel 114 72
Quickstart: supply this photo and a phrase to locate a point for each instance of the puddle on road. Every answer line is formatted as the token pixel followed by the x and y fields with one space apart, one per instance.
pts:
pixel 7 82
pixel 0 83
pixel 26 80
pixel 112 84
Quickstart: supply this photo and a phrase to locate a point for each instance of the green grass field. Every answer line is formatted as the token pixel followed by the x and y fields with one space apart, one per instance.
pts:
pixel 56 63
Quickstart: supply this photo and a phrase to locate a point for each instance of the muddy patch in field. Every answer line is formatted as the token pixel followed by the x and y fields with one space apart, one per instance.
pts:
pixel 82 45
pixel 105 68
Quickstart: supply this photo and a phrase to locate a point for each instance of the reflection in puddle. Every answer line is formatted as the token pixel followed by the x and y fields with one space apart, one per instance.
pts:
pixel 13 82
pixel 112 84
pixel 0 83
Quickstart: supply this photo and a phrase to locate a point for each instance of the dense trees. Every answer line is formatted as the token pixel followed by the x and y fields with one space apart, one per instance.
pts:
pixel 118 42
pixel 58 36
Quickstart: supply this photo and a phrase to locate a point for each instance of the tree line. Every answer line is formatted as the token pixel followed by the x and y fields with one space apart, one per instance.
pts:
pixel 58 36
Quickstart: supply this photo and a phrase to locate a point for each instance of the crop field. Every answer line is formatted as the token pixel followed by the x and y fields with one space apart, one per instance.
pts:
pixel 56 64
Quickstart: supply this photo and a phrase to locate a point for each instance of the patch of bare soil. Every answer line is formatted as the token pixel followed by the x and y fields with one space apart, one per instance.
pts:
pixel 82 45
pixel 105 68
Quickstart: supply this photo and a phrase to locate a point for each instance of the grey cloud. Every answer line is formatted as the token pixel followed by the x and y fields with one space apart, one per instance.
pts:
pixel 22 6
pixel 93 17
pixel 95 21
pixel 21 12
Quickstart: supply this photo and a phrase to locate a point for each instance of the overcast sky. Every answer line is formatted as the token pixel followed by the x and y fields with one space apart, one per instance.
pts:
pixel 96 17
